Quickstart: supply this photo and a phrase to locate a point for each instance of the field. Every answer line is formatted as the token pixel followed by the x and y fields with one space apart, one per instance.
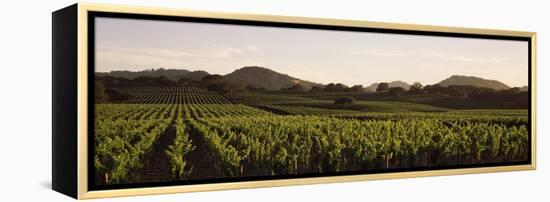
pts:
pixel 184 133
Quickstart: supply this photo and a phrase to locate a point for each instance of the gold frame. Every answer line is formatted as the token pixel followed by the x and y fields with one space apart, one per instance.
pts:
pixel 82 173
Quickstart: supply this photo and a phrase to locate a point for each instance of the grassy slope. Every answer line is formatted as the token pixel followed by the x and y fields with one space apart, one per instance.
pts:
pixel 296 100
pixel 426 99
pixel 369 106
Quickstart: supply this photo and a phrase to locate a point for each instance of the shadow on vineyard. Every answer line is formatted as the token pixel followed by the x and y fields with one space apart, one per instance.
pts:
pixel 199 158
pixel 273 109
pixel 157 165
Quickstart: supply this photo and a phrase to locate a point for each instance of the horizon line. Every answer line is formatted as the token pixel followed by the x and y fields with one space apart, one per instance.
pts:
pixel 322 83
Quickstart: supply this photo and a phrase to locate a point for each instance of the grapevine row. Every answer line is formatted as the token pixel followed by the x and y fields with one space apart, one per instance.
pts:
pixel 174 95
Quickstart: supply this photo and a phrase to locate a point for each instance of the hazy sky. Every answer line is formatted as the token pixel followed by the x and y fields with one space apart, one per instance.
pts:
pixel 316 55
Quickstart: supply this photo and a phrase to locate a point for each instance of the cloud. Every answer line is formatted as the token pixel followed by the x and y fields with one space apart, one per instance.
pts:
pixel 430 54
pixel 110 55
pixel 385 53
pixel 252 48
pixel 206 51
pixel 219 51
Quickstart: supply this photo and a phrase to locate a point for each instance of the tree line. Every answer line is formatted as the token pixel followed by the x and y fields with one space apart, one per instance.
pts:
pixel 106 88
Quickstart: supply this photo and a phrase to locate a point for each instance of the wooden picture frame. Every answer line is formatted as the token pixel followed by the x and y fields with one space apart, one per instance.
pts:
pixel 75 97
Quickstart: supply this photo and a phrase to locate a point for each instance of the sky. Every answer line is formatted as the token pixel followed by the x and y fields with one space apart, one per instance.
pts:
pixel 321 56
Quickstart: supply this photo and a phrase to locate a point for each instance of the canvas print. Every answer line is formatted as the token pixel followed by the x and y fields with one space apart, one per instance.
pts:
pixel 180 101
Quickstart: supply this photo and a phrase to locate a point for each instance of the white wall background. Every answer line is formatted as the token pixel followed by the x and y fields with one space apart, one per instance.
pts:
pixel 25 102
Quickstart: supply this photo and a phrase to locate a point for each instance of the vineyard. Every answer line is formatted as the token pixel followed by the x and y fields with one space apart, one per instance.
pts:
pixel 174 95
pixel 216 137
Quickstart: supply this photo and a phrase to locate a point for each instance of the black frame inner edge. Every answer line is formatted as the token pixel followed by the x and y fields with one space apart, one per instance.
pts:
pixel 91 76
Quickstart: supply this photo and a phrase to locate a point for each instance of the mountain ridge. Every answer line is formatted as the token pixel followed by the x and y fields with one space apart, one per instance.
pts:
pixel 474 81
pixel 262 77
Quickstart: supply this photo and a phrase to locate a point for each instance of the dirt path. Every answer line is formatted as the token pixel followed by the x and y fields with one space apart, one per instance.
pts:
pixel 203 165
pixel 157 166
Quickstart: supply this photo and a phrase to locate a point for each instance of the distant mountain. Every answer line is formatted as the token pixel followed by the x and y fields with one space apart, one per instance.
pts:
pixel 261 77
pixel 196 75
pixel 401 84
pixel 174 74
pixel 473 81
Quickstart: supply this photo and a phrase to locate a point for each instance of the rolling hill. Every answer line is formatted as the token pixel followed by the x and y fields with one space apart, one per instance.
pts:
pixel 195 75
pixel 261 77
pixel 473 81
pixel 524 88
